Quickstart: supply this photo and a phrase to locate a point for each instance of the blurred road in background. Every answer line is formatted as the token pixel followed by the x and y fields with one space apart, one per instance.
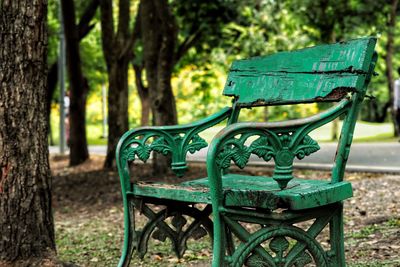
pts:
pixel 368 157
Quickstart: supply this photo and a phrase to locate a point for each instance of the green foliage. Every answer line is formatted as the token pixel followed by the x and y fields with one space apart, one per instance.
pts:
pixel 214 33
pixel 93 63
pixel 265 28
pixel 196 90
pixel 53 30
pixel 200 25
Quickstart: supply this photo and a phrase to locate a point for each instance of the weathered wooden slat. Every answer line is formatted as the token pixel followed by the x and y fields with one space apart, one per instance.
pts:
pixel 173 192
pixel 252 191
pixel 282 88
pixel 307 75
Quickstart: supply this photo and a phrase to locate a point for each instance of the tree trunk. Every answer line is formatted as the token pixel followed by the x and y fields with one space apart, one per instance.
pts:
pixel 117 52
pixel 78 88
pixel 84 27
pixel 159 35
pixel 391 25
pixel 117 107
pixel 26 221
pixel 143 93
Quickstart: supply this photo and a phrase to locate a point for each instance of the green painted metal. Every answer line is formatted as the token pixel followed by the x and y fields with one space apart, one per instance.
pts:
pixel 252 83
pixel 174 140
pixel 138 144
pixel 346 135
pixel 338 72
pixel 282 141
pixel 178 232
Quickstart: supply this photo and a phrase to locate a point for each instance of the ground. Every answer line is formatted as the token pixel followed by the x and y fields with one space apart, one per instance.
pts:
pixel 89 218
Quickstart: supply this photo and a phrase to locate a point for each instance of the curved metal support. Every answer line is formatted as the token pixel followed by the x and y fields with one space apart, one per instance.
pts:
pixel 130 236
pixel 249 252
pixel 175 140
pixel 282 141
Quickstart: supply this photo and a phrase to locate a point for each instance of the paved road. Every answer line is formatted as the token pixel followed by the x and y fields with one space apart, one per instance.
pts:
pixel 378 157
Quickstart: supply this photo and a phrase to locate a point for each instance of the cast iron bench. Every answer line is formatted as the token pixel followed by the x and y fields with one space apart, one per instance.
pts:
pixel 220 203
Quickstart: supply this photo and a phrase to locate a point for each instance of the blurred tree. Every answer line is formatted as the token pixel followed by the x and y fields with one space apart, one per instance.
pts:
pixel 391 26
pixel 117 50
pixel 83 28
pixel 143 92
pixel 26 221
pixel 78 84
pixel 159 37
pixel 167 32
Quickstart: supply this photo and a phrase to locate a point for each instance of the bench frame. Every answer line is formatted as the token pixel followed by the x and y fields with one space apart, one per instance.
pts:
pixel 332 73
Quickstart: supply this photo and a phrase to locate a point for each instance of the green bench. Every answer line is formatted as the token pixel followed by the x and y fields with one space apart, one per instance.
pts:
pixel 221 203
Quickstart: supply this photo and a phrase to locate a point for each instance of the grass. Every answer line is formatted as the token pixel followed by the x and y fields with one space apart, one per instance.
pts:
pixel 97 242
pixel 87 242
pixel 365 231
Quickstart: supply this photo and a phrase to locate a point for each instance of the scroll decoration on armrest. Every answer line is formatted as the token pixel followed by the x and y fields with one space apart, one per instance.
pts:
pixel 141 145
pixel 280 146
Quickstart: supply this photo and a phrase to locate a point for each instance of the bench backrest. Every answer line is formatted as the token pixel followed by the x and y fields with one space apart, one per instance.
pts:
pixel 320 73
pixel 323 73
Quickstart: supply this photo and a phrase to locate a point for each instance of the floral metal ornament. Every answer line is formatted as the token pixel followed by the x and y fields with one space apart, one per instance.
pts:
pixel 281 147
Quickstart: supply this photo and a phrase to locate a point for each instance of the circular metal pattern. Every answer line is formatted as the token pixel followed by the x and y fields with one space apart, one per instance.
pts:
pixel 284 157
pixel 246 250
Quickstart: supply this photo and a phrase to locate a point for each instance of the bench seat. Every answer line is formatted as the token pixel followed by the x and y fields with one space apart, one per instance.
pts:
pixel 251 191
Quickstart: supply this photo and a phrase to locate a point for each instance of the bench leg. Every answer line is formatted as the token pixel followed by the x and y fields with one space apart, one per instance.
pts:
pixel 281 241
pixel 169 222
pixel 129 235
pixel 219 241
pixel 337 239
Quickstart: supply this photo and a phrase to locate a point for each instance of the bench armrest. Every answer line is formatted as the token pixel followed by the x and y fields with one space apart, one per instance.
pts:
pixel 282 141
pixel 175 140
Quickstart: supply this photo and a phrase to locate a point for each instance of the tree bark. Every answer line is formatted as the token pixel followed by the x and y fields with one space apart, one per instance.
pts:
pixel 159 35
pixel 117 49
pixel 143 93
pixel 78 88
pixel 391 25
pixel 26 221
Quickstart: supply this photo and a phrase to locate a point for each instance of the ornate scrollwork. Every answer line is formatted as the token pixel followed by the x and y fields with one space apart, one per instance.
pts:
pixel 179 230
pixel 252 254
pixel 306 147
pixel 165 144
pixel 195 144
pixel 236 150
pixel 280 146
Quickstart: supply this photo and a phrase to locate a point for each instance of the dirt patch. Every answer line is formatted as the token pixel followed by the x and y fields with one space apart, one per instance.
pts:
pixel 89 216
